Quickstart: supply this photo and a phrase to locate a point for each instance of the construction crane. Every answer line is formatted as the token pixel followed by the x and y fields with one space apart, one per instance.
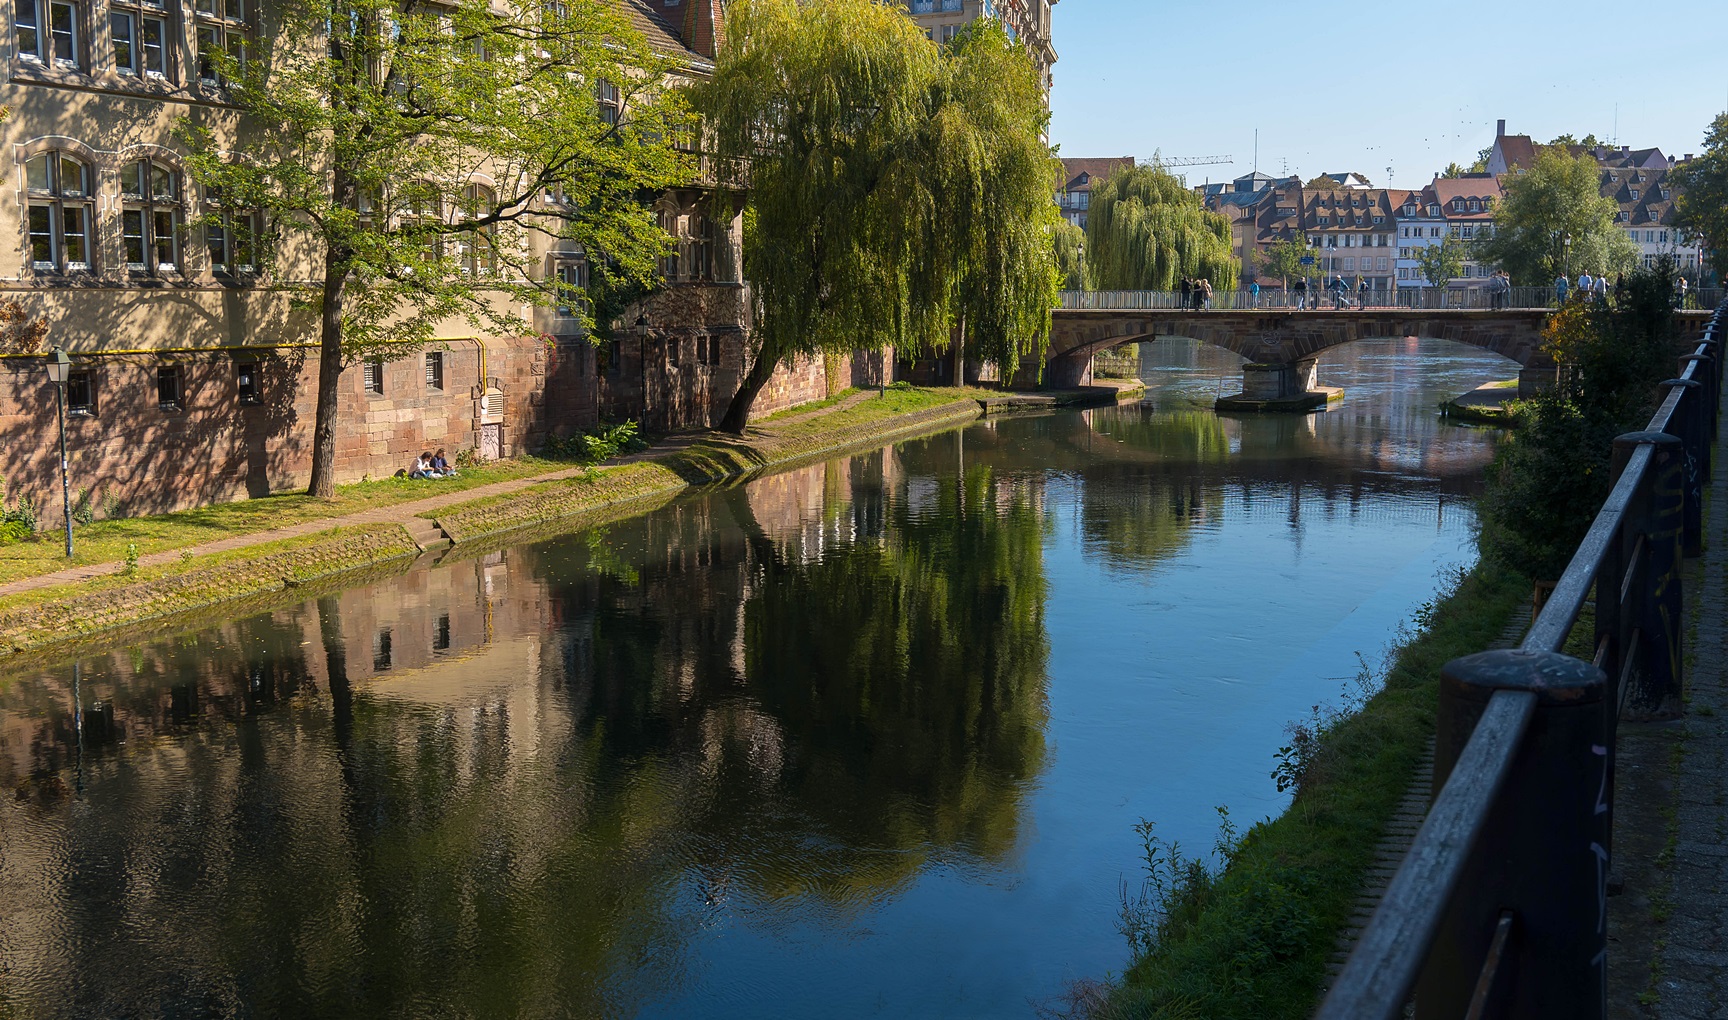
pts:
pixel 1181 161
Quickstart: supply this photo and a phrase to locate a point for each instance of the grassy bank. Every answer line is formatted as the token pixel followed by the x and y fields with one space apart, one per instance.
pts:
pixel 869 422
pixel 106 541
pixel 1252 942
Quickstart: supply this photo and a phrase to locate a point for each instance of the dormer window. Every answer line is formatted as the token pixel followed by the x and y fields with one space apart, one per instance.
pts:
pixel 1664 194
pixel 1634 194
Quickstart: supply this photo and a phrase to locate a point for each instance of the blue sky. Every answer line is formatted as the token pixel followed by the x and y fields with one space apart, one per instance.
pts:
pixel 1405 86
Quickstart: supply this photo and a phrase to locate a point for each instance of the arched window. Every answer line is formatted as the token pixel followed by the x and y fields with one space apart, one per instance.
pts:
pixel 419 208
pixel 150 217
pixel 60 189
pixel 474 248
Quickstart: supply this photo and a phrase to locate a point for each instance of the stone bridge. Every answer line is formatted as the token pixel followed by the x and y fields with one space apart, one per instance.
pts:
pixel 1282 345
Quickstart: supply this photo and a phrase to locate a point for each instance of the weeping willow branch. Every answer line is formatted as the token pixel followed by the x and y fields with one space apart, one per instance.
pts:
pixel 1147 231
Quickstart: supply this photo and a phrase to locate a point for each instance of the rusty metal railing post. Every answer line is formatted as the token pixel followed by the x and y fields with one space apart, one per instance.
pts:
pixel 1657 681
pixel 1542 857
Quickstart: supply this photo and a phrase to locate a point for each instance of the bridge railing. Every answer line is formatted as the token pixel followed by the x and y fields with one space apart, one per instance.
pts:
pixel 1416 298
pixel 1499 908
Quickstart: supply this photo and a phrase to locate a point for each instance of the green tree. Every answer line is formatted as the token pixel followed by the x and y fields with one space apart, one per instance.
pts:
pixel 1441 262
pixel 1070 243
pixel 1146 230
pixel 1587 142
pixel 1552 473
pixel 1283 259
pixel 1453 170
pixel 1701 210
pixel 405 151
pixel 899 191
pixel 1552 220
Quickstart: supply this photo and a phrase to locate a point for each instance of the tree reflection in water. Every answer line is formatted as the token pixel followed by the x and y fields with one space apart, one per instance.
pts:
pixel 520 785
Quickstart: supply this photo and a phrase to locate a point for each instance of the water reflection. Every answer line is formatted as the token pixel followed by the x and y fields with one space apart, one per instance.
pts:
pixel 516 786
pixel 890 718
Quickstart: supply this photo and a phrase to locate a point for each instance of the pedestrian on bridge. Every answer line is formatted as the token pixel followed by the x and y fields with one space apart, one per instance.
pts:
pixel 1361 292
pixel 1187 288
pixel 1602 287
pixel 1586 285
pixel 1340 292
pixel 1254 291
pixel 1301 290
pixel 1561 285
pixel 1205 292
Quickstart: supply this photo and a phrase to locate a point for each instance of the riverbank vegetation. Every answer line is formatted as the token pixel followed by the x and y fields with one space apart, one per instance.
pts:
pixel 1249 936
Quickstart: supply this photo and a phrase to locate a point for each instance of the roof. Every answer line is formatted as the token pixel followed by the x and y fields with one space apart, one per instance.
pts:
pixel 1481 188
pixel 659 32
pixel 1517 151
pixel 1090 167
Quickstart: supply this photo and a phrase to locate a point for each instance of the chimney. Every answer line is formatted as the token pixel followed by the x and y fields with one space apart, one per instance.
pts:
pixel 1687 158
pixel 1500 128
pixel 1625 149
pixel 703 26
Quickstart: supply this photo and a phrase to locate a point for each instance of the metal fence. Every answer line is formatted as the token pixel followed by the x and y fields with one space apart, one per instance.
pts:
pixel 1423 298
pixel 1500 906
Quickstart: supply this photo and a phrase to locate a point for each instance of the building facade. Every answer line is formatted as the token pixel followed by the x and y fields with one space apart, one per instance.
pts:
pixel 1075 196
pixel 195 371
pixel 1026 20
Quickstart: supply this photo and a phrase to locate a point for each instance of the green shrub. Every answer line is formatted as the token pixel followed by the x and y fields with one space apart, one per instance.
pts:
pixel 596 446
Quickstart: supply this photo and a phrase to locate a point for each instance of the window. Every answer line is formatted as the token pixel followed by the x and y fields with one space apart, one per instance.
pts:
pixel 80 393
pixel 948 32
pixel 572 281
pixel 1433 231
pixel 701 248
pixel 233 239
pixel 434 370
pixel 714 351
pixel 372 375
pixel 250 382
pixel 1380 263
pixel 168 388
pixel 150 217
pixel 55 43
pixel 474 250
pixel 1379 219
pixel 1664 194
pixel 139 29
pixel 1349 264
pixel 60 193
pixel 614 357
pixel 607 102
pixel 673 344
pixel 1634 194
pixel 702 349
pixel 670 263
pixel 221 29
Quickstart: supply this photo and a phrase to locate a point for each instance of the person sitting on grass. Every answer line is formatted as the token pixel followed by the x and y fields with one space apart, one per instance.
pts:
pixel 442 466
pixel 423 468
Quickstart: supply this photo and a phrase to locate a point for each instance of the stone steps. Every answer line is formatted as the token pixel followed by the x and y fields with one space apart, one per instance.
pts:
pixel 425 533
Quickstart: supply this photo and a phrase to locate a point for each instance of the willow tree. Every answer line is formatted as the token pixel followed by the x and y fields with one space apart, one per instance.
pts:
pixel 408 152
pixel 1070 244
pixel 1146 230
pixel 899 191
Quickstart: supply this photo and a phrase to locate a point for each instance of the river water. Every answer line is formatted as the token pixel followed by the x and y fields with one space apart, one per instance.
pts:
pixel 866 738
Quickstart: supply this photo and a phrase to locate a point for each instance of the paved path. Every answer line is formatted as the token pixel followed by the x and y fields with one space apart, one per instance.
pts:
pixel 396 513
pixel 1691 974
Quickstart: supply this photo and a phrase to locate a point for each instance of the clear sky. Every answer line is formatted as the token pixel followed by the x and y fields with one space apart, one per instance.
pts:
pixel 1404 87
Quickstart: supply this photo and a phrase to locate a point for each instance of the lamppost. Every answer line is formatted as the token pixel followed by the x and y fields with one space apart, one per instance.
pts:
pixel 641 327
pixel 59 369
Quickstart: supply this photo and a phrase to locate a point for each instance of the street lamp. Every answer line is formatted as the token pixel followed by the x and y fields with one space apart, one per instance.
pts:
pixel 641 328
pixel 59 370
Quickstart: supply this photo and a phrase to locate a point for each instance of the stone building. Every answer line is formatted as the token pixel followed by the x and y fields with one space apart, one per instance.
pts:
pixel 1026 20
pixel 194 373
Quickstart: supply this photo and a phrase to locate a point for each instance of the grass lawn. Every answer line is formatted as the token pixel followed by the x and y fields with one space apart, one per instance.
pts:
pixel 105 541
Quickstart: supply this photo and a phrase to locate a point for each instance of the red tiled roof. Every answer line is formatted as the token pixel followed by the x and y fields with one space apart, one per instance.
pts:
pixel 1518 150
pixel 1092 167
pixel 646 18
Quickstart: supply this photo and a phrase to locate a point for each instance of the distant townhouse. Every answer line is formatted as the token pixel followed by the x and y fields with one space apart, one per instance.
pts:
pixel 1354 231
pixel 1462 207
pixel 1420 224
pixel 1075 196
pixel 1644 200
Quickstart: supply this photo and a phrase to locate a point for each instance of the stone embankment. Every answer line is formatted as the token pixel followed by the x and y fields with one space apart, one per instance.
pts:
pixel 274 571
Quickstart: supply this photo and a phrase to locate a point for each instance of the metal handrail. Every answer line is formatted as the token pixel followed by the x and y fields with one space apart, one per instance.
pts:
pixel 1464 298
pixel 1516 848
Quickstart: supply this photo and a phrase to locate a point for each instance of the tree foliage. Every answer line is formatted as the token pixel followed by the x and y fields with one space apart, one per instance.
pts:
pixel 1552 474
pixel 1701 209
pixel 408 151
pixel 900 191
pixel 1440 263
pixel 1283 259
pixel 1070 242
pixel 1146 230
pixel 1553 220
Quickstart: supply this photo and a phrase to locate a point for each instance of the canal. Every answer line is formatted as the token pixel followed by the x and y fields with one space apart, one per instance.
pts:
pixel 864 738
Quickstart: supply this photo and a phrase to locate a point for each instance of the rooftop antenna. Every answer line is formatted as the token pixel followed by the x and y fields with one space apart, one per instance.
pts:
pixel 1256 150
pixel 1616 124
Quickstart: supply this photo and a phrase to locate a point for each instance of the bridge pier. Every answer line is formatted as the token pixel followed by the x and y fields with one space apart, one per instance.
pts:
pixel 1280 386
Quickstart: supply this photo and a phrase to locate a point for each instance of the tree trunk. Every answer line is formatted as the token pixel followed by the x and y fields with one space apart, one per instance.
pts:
pixel 323 481
pixel 738 412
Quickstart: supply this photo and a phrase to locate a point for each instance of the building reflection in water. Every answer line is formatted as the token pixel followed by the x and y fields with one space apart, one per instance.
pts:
pixel 520 784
